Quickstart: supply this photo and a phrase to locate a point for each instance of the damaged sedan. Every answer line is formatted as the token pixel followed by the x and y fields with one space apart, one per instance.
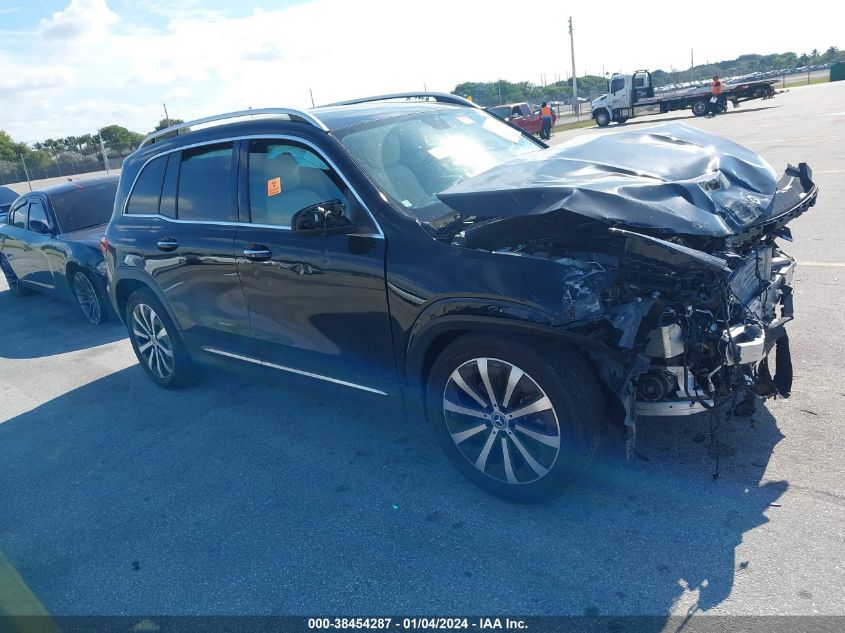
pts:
pixel 523 298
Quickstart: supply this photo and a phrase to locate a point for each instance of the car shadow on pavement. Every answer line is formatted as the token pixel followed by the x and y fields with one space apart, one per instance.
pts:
pixel 36 326
pixel 251 495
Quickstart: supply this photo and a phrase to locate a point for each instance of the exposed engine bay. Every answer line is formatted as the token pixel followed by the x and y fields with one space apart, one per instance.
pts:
pixel 675 264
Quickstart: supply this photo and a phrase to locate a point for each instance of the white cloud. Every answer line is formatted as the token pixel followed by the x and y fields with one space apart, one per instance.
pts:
pixel 80 18
pixel 201 61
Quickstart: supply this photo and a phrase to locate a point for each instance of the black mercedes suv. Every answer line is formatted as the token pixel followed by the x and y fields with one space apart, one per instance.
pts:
pixel 413 245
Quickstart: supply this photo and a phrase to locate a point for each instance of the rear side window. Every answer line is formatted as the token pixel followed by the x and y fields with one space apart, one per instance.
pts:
pixel 206 191
pixel 85 207
pixel 147 192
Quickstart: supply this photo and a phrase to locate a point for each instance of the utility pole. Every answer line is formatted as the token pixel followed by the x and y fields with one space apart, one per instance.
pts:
pixel 311 92
pixel 26 172
pixel 103 150
pixel 575 104
pixel 166 116
pixel 691 60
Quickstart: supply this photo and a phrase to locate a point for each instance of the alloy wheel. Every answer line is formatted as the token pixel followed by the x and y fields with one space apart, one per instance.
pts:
pixel 501 420
pixel 152 341
pixel 87 298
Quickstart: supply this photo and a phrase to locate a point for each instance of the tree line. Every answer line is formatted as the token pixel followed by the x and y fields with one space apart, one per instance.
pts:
pixel 83 149
pixel 495 92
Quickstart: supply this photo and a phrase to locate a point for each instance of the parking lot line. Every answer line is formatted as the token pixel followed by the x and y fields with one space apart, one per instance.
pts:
pixel 823 264
pixel 18 604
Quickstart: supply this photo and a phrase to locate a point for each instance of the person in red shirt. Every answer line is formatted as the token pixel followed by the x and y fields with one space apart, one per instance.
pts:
pixel 715 96
pixel 546 114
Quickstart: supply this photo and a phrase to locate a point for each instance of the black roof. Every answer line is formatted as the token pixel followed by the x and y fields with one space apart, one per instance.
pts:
pixel 7 196
pixel 73 185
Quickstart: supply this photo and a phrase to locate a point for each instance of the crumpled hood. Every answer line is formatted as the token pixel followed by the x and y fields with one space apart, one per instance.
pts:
pixel 671 179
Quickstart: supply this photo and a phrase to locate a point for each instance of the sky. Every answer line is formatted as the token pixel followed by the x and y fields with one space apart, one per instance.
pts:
pixel 68 67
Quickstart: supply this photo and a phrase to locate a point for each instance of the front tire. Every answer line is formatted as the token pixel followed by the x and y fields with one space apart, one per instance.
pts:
pixel 88 298
pixel 602 118
pixel 517 417
pixel 156 341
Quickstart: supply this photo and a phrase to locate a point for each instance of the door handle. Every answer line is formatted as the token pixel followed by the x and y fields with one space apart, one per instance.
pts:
pixel 258 253
pixel 167 244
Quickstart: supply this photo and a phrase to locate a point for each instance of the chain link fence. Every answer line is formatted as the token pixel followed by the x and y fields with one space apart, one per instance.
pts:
pixel 39 167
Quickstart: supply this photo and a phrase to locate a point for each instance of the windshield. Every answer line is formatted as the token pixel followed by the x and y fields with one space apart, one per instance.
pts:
pixel 83 208
pixel 413 158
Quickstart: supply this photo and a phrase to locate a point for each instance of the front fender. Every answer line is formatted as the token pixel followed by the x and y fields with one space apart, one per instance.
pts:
pixel 455 315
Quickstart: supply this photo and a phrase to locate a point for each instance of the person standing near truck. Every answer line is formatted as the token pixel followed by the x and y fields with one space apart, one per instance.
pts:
pixel 546 113
pixel 715 95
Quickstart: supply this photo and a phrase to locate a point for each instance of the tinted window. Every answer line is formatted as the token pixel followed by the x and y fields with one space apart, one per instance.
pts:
pixel 147 192
pixel 285 178
pixel 37 213
pixel 18 218
pixel 84 207
pixel 205 185
pixel 617 84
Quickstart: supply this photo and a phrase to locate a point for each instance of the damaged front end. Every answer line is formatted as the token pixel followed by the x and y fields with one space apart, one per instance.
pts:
pixel 675 266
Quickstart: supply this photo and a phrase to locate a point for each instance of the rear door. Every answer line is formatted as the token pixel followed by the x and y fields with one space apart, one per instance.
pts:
pixel 181 220
pixel 317 303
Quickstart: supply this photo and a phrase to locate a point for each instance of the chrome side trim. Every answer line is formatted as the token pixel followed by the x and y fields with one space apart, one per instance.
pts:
pixel 672 408
pixel 232 139
pixel 406 295
pixel 286 113
pixel 300 372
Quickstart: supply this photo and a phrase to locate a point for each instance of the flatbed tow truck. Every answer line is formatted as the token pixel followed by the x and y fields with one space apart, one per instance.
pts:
pixel 628 95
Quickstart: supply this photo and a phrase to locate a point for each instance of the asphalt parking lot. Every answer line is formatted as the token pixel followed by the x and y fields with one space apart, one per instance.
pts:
pixel 248 494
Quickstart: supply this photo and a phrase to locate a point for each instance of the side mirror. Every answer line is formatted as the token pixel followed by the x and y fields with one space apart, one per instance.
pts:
pixel 322 218
pixel 39 226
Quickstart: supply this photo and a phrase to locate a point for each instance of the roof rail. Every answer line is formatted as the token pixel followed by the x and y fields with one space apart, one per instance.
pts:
pixel 288 114
pixel 441 97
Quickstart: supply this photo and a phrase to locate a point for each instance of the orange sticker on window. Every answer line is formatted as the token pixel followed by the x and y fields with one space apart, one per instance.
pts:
pixel 274 187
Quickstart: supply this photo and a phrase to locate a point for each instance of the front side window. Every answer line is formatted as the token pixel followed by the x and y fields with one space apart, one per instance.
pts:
pixel 205 191
pixel 18 217
pixel 617 84
pixel 285 178
pixel 415 157
pixel 146 195
pixel 37 213
pixel 86 207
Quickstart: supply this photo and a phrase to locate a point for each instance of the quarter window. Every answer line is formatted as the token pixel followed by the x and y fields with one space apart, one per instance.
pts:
pixel 18 218
pixel 146 195
pixel 285 178
pixel 205 191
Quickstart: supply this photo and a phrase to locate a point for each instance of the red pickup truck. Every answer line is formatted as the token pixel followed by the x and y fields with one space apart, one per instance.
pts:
pixel 522 115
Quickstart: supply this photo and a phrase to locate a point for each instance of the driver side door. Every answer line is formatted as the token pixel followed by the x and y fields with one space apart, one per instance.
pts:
pixel 317 302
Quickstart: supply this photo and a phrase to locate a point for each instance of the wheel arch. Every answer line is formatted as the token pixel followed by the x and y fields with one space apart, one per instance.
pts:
pixel 129 283
pixel 431 335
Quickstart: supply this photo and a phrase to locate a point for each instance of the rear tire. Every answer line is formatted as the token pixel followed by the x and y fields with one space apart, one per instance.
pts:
pixel 700 107
pixel 156 341
pixel 89 298
pixel 15 287
pixel 535 433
